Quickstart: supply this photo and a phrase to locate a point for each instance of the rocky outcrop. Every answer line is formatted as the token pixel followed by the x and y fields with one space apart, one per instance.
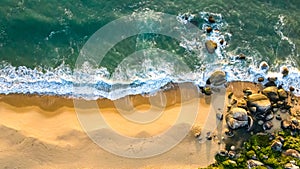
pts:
pixel 271 92
pixel 218 78
pixel 260 102
pixel 236 118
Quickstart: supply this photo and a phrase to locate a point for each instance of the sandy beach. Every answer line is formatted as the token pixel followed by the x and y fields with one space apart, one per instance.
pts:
pixel 45 132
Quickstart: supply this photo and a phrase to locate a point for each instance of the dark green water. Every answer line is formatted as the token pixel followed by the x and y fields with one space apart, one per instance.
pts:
pixel 48 34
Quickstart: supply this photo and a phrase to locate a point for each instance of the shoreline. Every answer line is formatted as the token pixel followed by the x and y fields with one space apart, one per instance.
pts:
pixel 50 124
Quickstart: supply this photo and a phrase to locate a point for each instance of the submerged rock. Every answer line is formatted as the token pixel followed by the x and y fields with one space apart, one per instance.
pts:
pixel 211 46
pixel 211 19
pixel 217 78
pixel 285 71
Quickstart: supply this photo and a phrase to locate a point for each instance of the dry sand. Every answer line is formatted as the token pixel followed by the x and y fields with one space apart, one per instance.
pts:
pixel 44 131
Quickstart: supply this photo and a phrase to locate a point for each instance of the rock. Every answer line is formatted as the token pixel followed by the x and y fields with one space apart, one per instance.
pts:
pixel 218 78
pixel 230 95
pixel 232 148
pixel 254 163
pixel 281 139
pixel 271 82
pixel 229 133
pixel 211 46
pixel 233 102
pixel 207 91
pixel 278 117
pixel 292 89
pixel 269 116
pixel 264 65
pixel 247 92
pixel 231 154
pixel 271 92
pixel 283 110
pixel 285 71
pixel 285 124
pixel 260 101
pixel 295 121
pixel 252 109
pixel 223 153
pixel 209 29
pixel 219 115
pixel 242 104
pixel 290 166
pixel 293 153
pixel 211 19
pixel 260 122
pixel 276 145
pixel 267 125
pixel 209 136
pixel 196 130
pixel 282 93
pixel 237 118
pixel 261 79
pixel 222 41
pixel 241 57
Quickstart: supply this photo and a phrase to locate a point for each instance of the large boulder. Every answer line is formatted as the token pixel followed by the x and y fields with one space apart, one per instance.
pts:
pixel 271 92
pixel 236 118
pixel 260 102
pixel 218 78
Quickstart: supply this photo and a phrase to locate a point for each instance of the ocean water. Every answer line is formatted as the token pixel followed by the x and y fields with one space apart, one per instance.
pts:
pixel 40 42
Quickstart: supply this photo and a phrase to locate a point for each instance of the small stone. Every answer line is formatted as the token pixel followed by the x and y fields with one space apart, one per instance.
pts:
pixel 261 79
pixel 211 19
pixel 285 124
pixel 282 93
pixel 267 125
pixel 278 117
pixel 230 95
pixel 223 153
pixel 211 46
pixel 295 121
pixel 269 116
pixel 242 104
pixel 283 110
pixel 260 122
pixel 208 136
pixel 219 115
pixel 276 145
pixel 241 57
pixel 207 91
pixel 252 109
pixel 196 130
pixel 232 148
pixel 254 163
pixel 209 29
pixel 222 41
pixel 285 71
pixel 233 101
pixel 292 89
pixel 264 65
pixel 231 154
pixel 229 133
pixel 281 139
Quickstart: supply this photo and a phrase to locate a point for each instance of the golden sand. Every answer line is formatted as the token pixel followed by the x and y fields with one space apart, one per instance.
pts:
pixel 44 131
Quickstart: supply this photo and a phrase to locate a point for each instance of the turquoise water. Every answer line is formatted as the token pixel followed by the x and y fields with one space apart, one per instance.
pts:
pixel 41 40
